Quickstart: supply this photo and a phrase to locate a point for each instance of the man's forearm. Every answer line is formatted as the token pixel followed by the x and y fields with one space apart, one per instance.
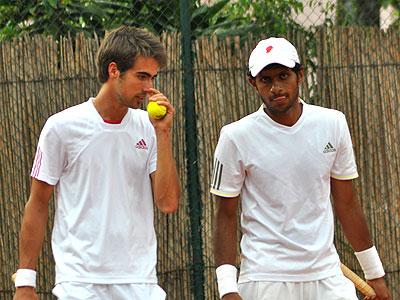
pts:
pixel 32 233
pixel 350 215
pixel 166 185
pixel 225 239
pixel 355 226
pixel 225 247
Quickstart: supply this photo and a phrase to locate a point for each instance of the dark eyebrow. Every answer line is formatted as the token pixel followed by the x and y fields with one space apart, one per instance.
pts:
pixel 146 74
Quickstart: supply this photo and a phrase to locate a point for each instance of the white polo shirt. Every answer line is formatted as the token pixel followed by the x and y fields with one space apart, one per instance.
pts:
pixel 103 227
pixel 283 175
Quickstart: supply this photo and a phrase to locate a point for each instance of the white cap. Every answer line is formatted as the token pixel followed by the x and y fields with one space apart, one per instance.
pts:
pixel 272 51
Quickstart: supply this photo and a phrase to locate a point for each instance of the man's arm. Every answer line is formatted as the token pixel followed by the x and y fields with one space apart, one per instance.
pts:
pixel 349 212
pixel 165 182
pixel 225 235
pixel 33 229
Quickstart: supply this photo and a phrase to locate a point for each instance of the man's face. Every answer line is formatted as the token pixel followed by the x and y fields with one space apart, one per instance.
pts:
pixel 132 86
pixel 278 86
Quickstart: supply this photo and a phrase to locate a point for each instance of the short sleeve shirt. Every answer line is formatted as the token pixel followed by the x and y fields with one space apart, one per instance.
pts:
pixel 283 177
pixel 103 228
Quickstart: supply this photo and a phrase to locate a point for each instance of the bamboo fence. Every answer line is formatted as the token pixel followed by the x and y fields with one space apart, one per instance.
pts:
pixel 357 73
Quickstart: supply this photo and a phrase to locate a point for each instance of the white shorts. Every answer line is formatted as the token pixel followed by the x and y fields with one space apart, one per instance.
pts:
pixel 88 291
pixel 333 288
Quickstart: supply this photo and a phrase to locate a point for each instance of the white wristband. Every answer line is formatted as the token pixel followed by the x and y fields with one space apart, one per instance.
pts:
pixel 226 278
pixel 370 263
pixel 25 277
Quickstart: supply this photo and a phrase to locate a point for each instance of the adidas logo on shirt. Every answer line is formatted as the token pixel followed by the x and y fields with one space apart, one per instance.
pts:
pixel 329 148
pixel 141 145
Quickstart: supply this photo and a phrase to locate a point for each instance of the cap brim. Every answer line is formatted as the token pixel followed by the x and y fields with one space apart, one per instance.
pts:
pixel 280 61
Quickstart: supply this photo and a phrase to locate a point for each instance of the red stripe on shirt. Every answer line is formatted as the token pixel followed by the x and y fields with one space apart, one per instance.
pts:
pixel 37 163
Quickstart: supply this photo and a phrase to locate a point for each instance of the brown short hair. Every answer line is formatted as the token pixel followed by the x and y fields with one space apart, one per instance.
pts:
pixel 123 45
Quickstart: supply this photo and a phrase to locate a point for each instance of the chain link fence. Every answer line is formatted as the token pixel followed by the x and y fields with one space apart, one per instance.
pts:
pixel 47 52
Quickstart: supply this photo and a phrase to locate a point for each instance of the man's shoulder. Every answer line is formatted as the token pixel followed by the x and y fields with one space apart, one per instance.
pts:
pixel 325 113
pixel 71 112
pixel 62 120
pixel 242 125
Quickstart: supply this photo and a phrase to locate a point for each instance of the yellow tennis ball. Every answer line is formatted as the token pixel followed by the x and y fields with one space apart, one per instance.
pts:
pixel 155 110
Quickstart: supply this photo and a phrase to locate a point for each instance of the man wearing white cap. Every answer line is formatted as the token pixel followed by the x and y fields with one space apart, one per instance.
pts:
pixel 284 172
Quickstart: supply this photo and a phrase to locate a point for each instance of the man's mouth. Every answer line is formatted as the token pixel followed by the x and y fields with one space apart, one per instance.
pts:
pixel 279 99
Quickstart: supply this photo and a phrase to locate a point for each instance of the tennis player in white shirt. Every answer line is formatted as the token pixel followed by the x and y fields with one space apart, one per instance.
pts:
pixel 283 162
pixel 108 163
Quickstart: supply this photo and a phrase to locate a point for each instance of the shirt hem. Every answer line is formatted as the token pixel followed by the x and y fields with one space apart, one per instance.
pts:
pixel 125 280
pixel 222 194
pixel 345 177
pixel 152 169
pixel 46 179
pixel 288 278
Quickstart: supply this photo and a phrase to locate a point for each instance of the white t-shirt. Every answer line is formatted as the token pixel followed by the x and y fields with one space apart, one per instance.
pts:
pixel 103 227
pixel 283 175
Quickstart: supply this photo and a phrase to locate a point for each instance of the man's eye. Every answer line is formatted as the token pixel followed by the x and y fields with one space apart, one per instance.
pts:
pixel 284 75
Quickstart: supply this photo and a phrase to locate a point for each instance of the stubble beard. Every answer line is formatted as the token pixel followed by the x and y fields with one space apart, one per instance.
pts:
pixel 279 112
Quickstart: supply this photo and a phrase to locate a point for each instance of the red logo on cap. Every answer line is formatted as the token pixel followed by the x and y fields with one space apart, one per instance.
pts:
pixel 269 48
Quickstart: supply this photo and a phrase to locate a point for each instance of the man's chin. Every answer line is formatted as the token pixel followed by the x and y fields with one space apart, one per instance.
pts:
pixel 135 105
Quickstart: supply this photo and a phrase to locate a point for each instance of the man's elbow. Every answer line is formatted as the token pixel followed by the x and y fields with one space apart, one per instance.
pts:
pixel 170 204
pixel 168 208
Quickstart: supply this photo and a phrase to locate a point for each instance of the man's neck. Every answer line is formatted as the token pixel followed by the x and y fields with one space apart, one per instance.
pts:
pixel 108 106
pixel 290 117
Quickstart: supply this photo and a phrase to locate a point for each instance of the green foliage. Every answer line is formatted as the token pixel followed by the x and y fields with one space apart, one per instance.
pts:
pixel 69 17
pixel 222 17
pixel 364 12
pixel 396 6
pixel 394 3
pixel 206 19
pixel 271 17
pixel 358 12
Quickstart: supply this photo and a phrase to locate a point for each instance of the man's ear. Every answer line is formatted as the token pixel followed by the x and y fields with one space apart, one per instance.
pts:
pixel 252 81
pixel 113 71
pixel 300 75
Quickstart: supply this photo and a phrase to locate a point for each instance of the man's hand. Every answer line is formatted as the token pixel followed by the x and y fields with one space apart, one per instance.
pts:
pixel 380 288
pixel 161 99
pixel 25 293
pixel 231 296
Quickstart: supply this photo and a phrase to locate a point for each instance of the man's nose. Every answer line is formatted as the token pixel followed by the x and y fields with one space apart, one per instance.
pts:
pixel 148 84
pixel 276 87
